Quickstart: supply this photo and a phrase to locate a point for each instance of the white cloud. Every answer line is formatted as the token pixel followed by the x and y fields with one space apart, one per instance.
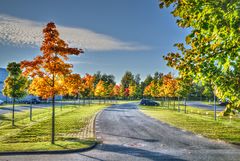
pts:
pixel 22 32
pixel 78 62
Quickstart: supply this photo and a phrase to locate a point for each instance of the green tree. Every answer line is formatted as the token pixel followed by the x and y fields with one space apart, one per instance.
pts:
pixel 213 48
pixel 145 83
pixel 97 78
pixel 15 85
pixel 127 79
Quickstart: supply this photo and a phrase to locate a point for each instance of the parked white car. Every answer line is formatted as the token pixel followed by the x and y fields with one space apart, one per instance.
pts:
pixel 1 102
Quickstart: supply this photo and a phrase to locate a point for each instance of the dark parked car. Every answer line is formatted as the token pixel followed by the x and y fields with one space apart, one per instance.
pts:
pixel 221 103
pixel 148 102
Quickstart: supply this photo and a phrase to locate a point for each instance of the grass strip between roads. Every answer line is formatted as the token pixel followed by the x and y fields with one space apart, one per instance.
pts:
pixel 198 121
pixel 36 135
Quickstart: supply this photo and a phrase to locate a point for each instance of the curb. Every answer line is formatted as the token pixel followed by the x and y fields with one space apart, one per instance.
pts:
pixel 50 152
pixel 97 140
pixel 97 137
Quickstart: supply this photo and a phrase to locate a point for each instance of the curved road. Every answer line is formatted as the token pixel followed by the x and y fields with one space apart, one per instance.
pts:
pixel 128 134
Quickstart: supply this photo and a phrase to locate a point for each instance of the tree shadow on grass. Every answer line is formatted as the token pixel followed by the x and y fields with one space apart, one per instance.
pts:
pixel 4 118
pixel 86 142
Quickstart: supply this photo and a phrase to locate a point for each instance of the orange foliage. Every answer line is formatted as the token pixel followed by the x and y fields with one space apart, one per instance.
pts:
pixel 100 90
pixel 73 85
pixel 88 86
pixel 170 85
pixel 116 90
pixel 49 69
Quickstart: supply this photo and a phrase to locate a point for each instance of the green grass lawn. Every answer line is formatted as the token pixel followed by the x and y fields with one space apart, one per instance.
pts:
pixel 36 135
pixel 198 121
pixel 10 105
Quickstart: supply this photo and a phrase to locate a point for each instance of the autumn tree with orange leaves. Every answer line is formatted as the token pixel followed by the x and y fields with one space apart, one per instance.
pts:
pixel 100 90
pixel 87 87
pixel 49 69
pixel 73 85
pixel 116 90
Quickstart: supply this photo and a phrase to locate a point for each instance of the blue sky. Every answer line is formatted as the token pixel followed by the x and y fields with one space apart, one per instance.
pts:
pixel 116 35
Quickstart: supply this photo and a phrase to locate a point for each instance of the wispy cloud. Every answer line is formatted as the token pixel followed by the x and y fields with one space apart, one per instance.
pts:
pixel 22 32
pixel 78 62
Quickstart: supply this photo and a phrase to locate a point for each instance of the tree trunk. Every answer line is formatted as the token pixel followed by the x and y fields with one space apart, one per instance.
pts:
pixel 31 110
pixel 185 105
pixel 178 105
pixel 83 101
pixel 61 103
pixel 174 102
pixel 53 119
pixel 168 101
pixel 13 110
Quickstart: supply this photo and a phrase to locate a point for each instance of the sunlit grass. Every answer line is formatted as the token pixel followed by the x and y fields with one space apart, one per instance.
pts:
pixel 36 134
pixel 198 121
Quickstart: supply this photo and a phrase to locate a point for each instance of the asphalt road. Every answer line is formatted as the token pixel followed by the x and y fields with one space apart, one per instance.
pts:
pixel 129 135
pixel 198 104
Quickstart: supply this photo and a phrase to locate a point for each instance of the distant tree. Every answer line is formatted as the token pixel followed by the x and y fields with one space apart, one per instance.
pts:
pixel 145 83
pixel 48 69
pixel 72 85
pixel 88 86
pixel 116 91
pixel 185 87
pixel 100 90
pixel 127 79
pixel 148 80
pixel 15 85
pixel 110 90
pixel 108 79
pixel 147 91
pixel 137 79
pixel 170 85
pixel 97 78
pixel 132 90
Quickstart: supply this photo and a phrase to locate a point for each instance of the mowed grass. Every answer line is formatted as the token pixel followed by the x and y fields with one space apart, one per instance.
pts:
pixel 10 105
pixel 198 121
pixel 36 135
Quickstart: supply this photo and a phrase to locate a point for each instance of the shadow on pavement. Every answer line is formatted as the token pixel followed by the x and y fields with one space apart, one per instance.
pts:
pixel 132 152
pixel 135 138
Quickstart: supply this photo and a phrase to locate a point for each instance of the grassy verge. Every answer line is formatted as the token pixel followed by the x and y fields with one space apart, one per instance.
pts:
pixel 198 121
pixel 10 105
pixel 36 135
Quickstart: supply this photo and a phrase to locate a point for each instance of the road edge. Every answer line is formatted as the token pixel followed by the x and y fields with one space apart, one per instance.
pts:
pixel 190 132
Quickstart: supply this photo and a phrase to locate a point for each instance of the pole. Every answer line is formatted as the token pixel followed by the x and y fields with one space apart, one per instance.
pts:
pixel 61 102
pixel 31 109
pixel 13 112
pixel 178 105
pixel 185 105
pixel 215 108
pixel 53 119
